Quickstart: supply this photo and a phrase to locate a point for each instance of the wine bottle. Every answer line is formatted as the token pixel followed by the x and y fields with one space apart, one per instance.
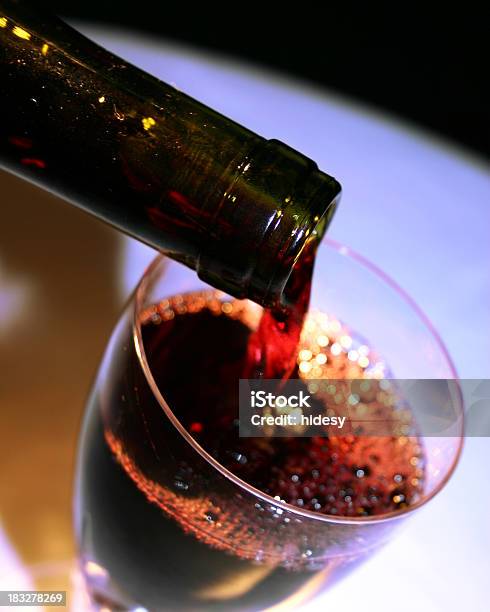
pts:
pixel 152 161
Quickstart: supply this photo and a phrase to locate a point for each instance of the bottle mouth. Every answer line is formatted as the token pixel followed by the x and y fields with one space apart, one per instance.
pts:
pixel 272 206
pixel 281 291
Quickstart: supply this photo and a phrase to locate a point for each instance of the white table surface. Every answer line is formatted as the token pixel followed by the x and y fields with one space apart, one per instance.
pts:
pixel 418 208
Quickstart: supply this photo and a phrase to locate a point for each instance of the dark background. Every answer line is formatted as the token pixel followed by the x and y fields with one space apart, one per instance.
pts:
pixel 426 66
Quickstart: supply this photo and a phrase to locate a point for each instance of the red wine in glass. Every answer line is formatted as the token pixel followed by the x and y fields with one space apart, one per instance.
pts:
pixel 158 531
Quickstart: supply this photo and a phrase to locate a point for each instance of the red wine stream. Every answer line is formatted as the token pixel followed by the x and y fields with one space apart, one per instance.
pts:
pixel 273 348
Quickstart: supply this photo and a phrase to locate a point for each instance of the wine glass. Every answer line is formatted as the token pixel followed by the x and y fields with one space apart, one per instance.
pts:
pixel 163 524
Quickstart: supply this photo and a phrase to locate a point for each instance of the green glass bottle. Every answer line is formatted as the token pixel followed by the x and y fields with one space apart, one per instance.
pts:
pixel 153 162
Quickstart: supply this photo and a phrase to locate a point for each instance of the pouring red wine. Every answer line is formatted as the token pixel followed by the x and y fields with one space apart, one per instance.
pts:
pixel 189 546
pixel 174 509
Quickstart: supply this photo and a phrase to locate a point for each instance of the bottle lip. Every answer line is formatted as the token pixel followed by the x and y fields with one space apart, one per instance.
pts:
pixel 270 202
pixel 316 219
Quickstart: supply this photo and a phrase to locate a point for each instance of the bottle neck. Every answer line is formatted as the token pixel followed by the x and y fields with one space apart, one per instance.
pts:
pixel 152 161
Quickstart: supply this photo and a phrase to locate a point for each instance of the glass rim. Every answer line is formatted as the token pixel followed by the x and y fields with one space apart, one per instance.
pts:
pixel 137 306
